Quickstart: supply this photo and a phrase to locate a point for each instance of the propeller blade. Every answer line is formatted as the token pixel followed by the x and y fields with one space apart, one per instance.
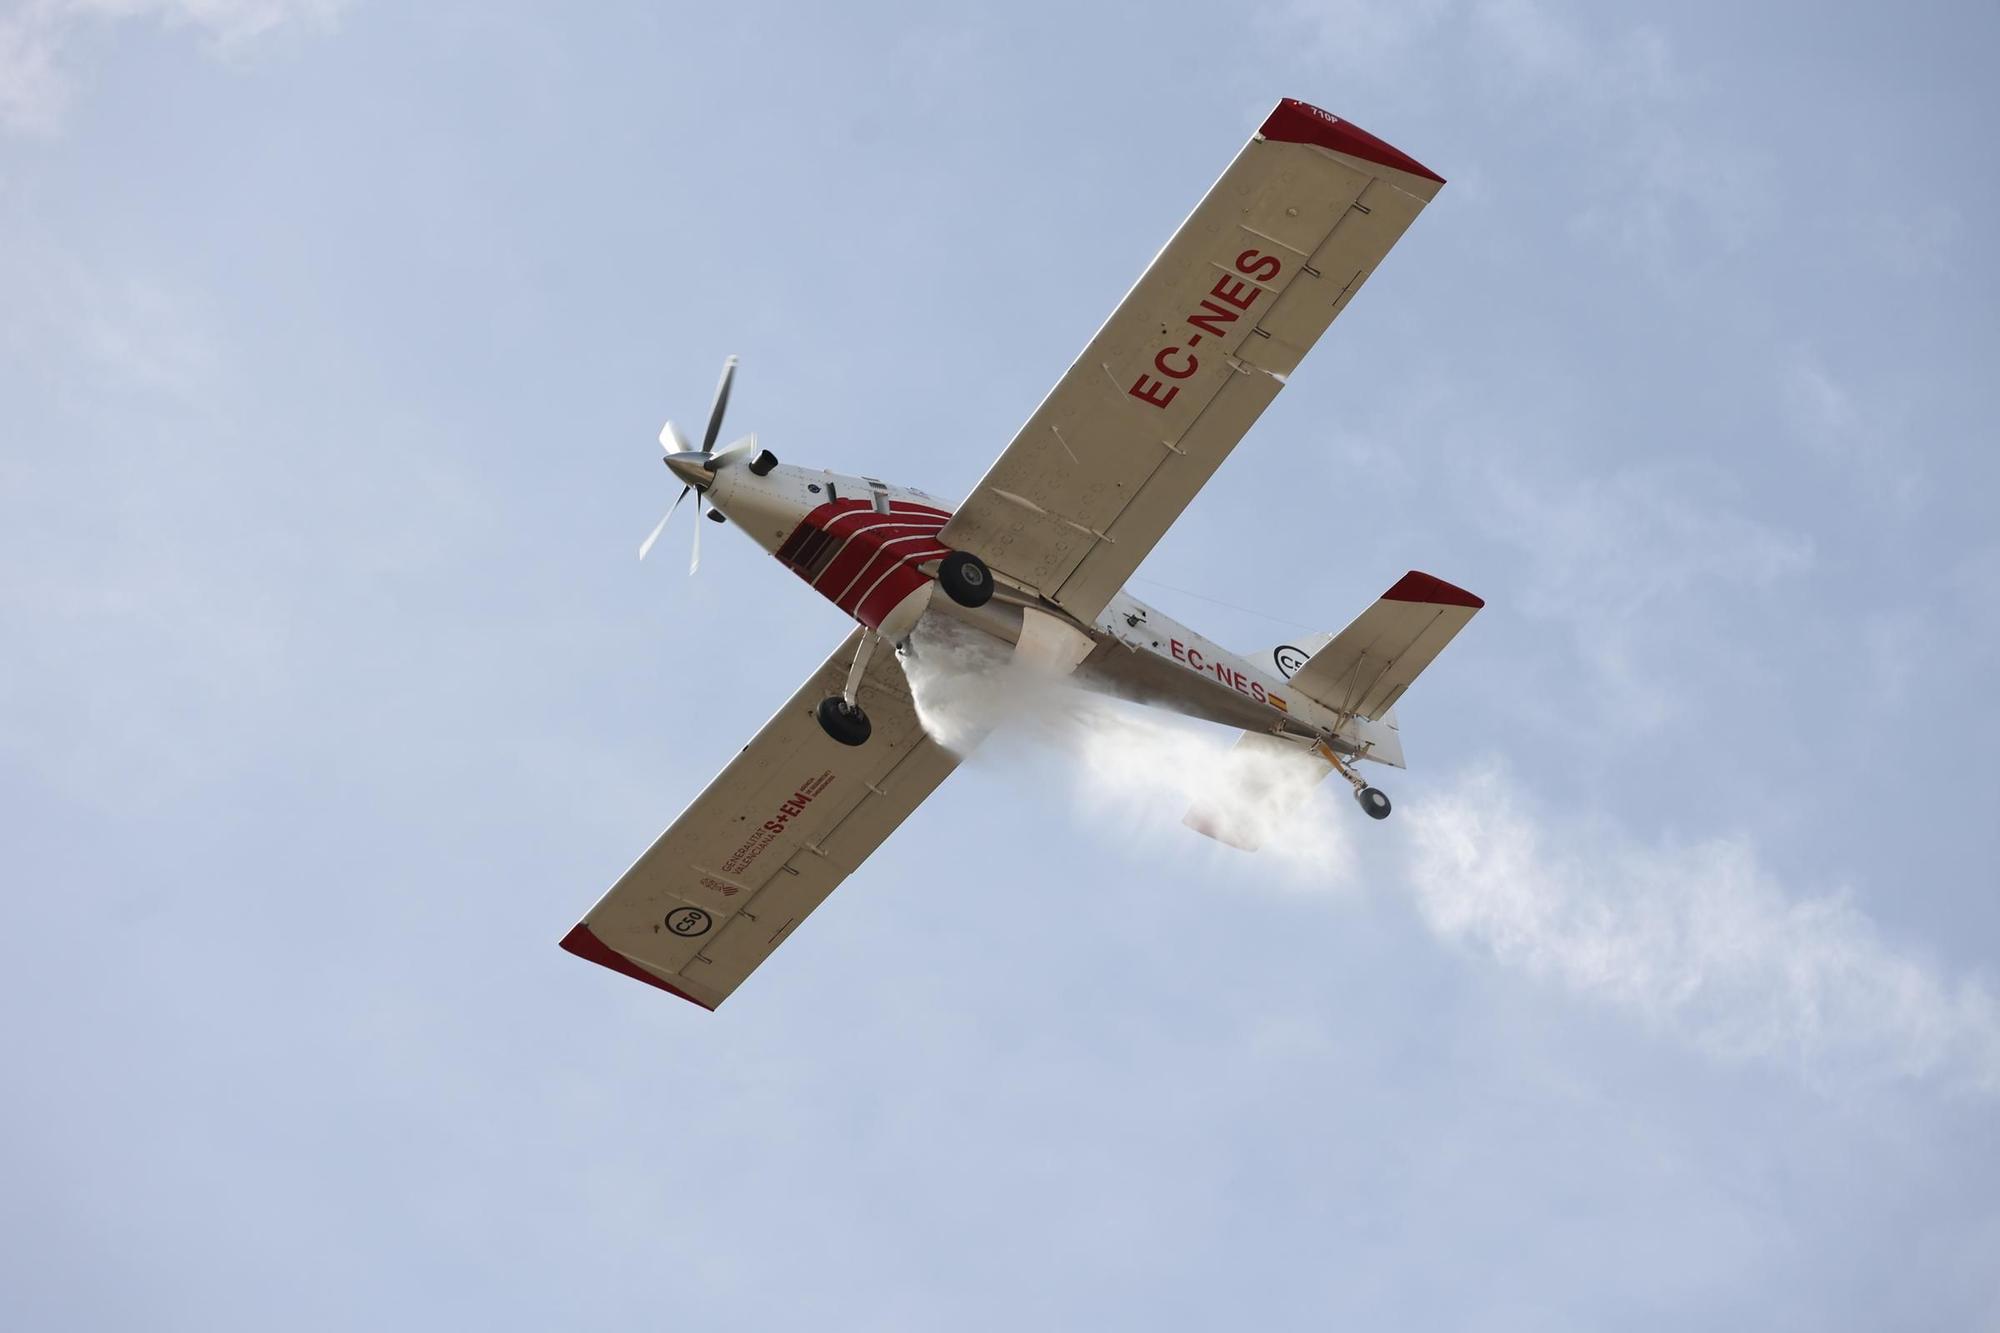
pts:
pixel 671 439
pixel 721 402
pixel 661 526
pixel 695 562
pixel 742 446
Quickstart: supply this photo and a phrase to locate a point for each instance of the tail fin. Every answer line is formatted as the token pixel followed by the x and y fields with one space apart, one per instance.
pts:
pixel 1365 668
pixel 1360 672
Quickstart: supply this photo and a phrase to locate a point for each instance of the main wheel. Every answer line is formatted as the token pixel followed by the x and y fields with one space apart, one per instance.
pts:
pixel 966 578
pixel 847 725
pixel 1374 802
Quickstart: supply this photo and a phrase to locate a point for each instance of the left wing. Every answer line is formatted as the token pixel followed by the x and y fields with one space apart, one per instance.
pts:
pixel 777 831
pixel 1191 357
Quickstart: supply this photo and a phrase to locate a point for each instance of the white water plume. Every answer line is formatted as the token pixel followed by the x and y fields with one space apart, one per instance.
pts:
pixel 1697 940
pixel 1133 767
pixel 1700 940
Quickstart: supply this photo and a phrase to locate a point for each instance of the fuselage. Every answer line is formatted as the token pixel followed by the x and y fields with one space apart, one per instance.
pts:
pixel 872 549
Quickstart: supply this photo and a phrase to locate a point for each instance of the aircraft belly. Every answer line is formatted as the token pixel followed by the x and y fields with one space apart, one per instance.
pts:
pixel 1113 668
pixel 1127 672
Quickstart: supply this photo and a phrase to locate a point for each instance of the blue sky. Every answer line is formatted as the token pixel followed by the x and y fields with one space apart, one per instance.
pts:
pixel 333 340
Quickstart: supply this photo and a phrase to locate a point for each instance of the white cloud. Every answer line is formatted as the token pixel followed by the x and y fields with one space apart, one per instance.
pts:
pixel 1698 939
pixel 1862 438
pixel 33 92
pixel 1916 241
pixel 1628 95
pixel 97 333
pixel 1363 40
pixel 37 38
pixel 1630 562
pixel 1655 186
pixel 1633 182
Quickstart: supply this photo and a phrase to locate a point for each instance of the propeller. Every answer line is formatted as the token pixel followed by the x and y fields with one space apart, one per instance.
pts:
pixel 697 467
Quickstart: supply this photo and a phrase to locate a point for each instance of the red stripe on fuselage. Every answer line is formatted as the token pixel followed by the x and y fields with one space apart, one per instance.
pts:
pixel 875 566
pixel 890 550
pixel 890 589
pixel 864 542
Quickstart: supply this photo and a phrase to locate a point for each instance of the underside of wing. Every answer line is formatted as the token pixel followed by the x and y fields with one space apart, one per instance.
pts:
pixel 776 832
pixel 1191 357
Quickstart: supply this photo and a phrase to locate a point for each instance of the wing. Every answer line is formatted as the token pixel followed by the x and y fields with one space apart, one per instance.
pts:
pixel 1192 355
pixel 777 831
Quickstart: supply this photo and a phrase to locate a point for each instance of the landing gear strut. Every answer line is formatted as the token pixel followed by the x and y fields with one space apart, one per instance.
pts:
pixel 1372 800
pixel 840 715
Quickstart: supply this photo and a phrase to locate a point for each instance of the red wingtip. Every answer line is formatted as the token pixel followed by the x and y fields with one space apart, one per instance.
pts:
pixel 1299 122
pixel 1419 587
pixel 585 945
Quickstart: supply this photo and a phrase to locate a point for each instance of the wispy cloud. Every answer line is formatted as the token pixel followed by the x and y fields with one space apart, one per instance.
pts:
pixel 1699 939
pixel 1361 40
pixel 1861 435
pixel 1606 102
pixel 38 37
pixel 1916 241
pixel 97 333
pixel 1628 562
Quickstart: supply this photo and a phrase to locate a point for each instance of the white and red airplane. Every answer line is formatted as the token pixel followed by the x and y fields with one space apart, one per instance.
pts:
pixel 1037 557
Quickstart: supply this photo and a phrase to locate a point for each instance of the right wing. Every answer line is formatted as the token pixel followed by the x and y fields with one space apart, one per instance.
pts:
pixel 777 831
pixel 1365 668
pixel 1191 356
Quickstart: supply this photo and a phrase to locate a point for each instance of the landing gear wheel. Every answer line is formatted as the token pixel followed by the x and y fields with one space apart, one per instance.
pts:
pixel 1374 802
pixel 846 724
pixel 966 578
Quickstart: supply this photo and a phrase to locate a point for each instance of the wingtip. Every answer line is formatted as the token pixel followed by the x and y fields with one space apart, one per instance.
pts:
pixel 1417 586
pixel 583 942
pixel 1294 121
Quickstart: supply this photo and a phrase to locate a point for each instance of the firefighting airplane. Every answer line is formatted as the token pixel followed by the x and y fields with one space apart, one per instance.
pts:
pixel 1038 557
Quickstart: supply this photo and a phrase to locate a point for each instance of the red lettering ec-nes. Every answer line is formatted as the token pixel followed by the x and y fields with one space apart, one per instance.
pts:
pixel 1224 304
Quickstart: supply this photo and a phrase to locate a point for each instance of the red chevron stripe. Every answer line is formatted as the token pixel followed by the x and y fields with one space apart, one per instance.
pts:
pixel 867 559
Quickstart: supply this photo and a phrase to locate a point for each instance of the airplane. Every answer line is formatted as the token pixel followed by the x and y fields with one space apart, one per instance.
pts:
pixel 1037 557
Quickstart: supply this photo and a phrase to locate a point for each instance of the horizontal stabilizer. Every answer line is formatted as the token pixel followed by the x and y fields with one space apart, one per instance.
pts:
pixel 1367 666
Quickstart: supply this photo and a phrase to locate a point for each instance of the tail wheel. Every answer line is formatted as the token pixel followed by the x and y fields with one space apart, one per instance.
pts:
pixel 965 578
pixel 844 722
pixel 1374 802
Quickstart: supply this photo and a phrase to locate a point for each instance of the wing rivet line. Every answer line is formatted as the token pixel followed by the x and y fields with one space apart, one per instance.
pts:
pixel 1242 367
pixel 1263 236
pixel 1243 278
pixel 1065 444
pixel 1034 508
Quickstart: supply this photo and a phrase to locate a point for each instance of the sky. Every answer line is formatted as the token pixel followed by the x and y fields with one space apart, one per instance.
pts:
pixel 334 338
